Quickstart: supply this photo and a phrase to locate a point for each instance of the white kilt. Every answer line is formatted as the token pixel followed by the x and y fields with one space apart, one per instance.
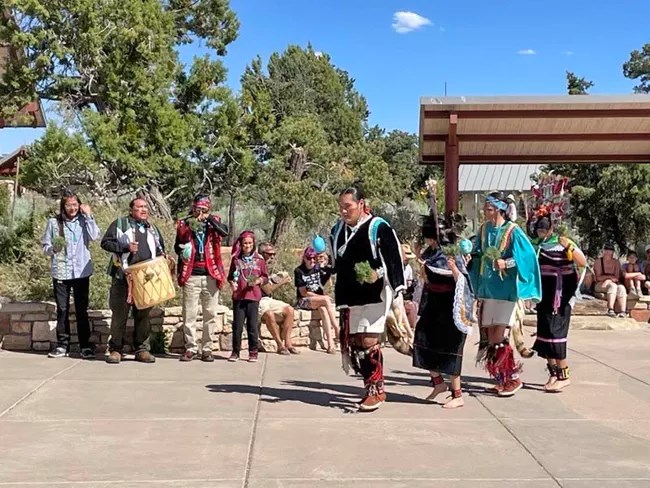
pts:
pixel 370 318
pixel 497 312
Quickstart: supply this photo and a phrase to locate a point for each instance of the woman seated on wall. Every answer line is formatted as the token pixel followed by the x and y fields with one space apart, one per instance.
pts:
pixel 310 279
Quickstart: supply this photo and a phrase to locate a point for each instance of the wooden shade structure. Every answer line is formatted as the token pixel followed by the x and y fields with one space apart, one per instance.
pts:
pixel 532 129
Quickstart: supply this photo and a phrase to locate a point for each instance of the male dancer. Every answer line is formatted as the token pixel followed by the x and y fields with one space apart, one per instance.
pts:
pixel 359 237
pixel 503 270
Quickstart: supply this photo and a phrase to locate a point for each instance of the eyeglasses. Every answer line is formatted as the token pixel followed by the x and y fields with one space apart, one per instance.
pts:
pixel 310 259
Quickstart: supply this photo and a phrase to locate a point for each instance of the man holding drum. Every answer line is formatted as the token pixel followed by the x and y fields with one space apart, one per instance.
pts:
pixel 131 239
pixel 200 273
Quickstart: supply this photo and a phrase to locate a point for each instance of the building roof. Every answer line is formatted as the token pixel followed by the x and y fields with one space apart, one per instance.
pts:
pixel 537 129
pixel 484 178
pixel 9 162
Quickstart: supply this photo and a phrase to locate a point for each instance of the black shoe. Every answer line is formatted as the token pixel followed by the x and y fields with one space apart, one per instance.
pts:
pixel 58 352
pixel 88 353
pixel 189 356
pixel 207 356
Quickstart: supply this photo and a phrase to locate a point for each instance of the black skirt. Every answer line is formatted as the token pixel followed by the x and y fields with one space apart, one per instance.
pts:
pixel 552 332
pixel 438 344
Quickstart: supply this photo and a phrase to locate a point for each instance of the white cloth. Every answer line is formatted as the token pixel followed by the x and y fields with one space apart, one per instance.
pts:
pixel 370 318
pixel 497 312
pixel 512 212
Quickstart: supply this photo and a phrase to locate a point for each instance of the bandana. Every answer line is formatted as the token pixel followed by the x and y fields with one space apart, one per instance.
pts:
pixel 496 203
pixel 203 203
pixel 236 248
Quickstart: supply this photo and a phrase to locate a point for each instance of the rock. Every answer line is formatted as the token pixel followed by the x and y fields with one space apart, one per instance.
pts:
pixel 95 338
pixel 17 342
pixel 44 331
pixel 269 345
pixel 156 321
pixel 176 311
pixel 171 320
pixel 589 307
pixel 101 322
pixel 300 341
pixel 41 346
pixel 100 314
pixel 304 331
pixel 157 312
pixel 21 327
pixel 225 342
pixel 25 307
pixel 5 324
pixel 102 329
pixel 32 317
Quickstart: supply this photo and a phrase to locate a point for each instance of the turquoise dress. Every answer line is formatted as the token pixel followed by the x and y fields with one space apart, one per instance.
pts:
pixel 521 282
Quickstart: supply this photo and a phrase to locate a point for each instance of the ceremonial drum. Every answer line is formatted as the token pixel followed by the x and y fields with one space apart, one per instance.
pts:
pixel 151 282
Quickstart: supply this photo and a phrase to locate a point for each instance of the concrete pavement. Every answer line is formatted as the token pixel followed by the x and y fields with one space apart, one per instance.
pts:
pixel 291 422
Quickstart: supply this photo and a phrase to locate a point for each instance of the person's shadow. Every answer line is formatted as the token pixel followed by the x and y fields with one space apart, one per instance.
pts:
pixel 342 397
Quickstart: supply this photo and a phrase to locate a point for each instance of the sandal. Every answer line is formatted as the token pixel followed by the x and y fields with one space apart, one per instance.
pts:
pixel 331 350
pixel 283 351
pixel 293 350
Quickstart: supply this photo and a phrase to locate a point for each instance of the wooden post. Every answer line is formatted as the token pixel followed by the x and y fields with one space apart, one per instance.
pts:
pixel 16 189
pixel 452 163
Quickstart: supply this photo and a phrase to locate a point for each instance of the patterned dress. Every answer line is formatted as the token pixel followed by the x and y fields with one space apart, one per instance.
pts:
pixel 559 285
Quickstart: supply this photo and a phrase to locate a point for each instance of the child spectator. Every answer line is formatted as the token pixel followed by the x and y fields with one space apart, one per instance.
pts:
pixel 633 275
pixel 247 274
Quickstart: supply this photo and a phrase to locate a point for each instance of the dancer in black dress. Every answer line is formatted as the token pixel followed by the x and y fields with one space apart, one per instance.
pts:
pixel 559 260
pixel 445 314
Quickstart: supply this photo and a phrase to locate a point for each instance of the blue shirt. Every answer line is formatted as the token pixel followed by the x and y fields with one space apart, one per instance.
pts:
pixel 73 261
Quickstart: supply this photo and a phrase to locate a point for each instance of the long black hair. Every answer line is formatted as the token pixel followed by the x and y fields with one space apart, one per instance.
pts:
pixel 67 195
pixel 354 190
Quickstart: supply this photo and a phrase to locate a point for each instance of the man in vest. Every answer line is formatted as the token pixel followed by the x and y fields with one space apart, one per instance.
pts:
pixel 200 274
pixel 131 239
pixel 360 241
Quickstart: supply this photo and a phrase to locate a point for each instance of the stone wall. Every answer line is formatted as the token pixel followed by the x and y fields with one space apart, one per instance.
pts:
pixel 30 326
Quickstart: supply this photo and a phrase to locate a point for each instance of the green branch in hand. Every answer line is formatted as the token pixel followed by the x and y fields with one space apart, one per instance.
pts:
pixel 491 254
pixel 194 224
pixel 451 250
pixel 364 272
pixel 58 243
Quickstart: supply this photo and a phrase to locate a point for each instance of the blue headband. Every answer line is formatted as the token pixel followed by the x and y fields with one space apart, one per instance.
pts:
pixel 495 202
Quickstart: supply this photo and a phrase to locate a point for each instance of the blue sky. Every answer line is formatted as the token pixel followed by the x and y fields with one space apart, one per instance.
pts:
pixel 487 47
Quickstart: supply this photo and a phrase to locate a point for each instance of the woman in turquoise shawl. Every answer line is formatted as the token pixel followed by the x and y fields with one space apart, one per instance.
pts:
pixel 503 270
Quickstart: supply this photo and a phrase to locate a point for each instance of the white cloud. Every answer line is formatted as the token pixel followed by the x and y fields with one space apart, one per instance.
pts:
pixel 569 53
pixel 318 54
pixel 526 52
pixel 408 21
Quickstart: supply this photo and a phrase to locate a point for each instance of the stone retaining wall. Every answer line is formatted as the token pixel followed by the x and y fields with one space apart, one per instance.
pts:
pixel 30 326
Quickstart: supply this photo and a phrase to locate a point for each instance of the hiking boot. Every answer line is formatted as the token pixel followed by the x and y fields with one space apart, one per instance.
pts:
pixel 252 356
pixel 58 352
pixel 144 357
pixel 207 356
pixel 510 388
pixel 189 356
pixel 234 357
pixel 88 353
pixel 114 357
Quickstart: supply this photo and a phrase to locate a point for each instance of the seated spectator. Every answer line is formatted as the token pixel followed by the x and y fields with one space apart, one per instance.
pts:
pixel 632 274
pixel 646 271
pixel 607 271
pixel 271 309
pixel 309 280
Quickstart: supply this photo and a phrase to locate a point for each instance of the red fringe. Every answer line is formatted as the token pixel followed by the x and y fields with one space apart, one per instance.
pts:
pixel 501 363
pixel 376 360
